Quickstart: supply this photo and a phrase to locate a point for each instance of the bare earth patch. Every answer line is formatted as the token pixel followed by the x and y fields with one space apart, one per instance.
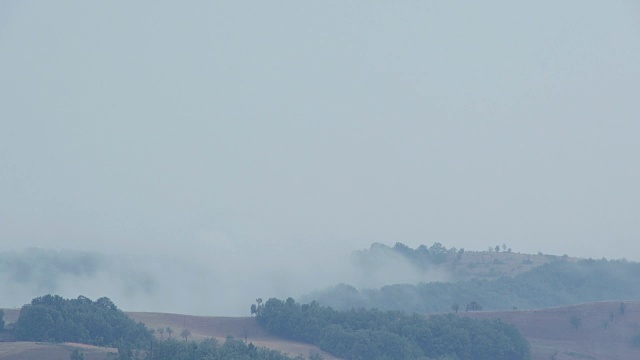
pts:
pixel 23 350
pixel 244 328
pixel 596 331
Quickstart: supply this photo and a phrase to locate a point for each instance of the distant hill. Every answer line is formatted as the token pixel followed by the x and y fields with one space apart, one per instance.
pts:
pixel 535 293
pixel 494 280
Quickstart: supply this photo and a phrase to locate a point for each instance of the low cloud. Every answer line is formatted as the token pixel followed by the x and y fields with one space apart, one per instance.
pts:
pixel 220 280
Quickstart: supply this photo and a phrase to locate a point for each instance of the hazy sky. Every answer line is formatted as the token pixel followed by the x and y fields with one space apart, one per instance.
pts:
pixel 230 130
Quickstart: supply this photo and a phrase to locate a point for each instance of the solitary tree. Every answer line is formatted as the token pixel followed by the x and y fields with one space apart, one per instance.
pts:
pixel 76 355
pixel 455 307
pixel 576 321
pixel 255 309
pixel 473 306
pixel 185 334
pixel 169 332
pixel 622 308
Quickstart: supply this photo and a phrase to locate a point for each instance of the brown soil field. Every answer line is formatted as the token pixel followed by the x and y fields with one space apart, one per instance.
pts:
pixel 22 350
pixel 246 328
pixel 601 331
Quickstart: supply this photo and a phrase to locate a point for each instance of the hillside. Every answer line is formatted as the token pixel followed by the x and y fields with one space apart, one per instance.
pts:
pixel 598 331
pixel 24 350
pixel 201 327
pixel 603 333
pixel 495 280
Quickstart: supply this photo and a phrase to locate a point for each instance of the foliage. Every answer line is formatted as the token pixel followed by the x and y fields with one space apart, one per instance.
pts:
pixel 560 282
pixel 422 256
pixel 76 355
pixel 576 321
pixel 209 349
pixel 473 306
pixel 53 318
pixel 185 334
pixel 374 334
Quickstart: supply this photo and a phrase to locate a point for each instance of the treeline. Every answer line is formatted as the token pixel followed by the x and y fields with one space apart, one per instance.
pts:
pixel 209 349
pixel 52 318
pixel 422 257
pixel 375 334
pixel 560 282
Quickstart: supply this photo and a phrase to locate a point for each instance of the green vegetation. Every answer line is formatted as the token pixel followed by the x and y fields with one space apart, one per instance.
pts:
pixel 55 319
pixel 76 355
pixel 421 257
pixel 560 282
pixel 374 334
pixel 52 318
pixel 209 349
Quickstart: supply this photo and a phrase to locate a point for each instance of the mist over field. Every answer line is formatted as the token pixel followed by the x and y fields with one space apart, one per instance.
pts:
pixel 191 286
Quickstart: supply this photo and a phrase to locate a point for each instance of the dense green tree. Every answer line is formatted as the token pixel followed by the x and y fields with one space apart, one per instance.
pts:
pixel 474 306
pixel 53 318
pixel 374 334
pixel 209 349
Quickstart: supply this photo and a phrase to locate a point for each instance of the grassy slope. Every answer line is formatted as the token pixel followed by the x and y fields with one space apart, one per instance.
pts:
pixel 491 265
pixel 604 333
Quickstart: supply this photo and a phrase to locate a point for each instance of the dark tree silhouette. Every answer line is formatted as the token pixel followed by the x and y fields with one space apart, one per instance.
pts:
pixel 455 307
pixel 473 306
pixel 185 334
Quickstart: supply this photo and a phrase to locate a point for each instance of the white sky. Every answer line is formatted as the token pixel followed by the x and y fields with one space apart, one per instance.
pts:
pixel 317 128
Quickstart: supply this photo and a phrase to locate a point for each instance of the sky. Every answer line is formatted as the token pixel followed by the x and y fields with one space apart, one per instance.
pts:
pixel 247 132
